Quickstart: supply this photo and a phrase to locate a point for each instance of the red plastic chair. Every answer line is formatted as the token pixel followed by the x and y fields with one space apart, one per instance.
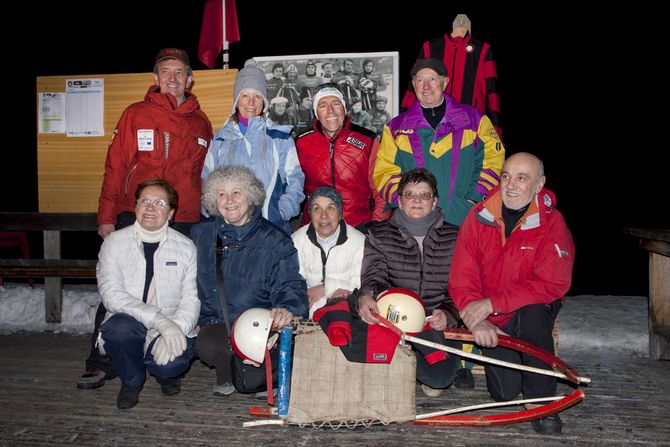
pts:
pixel 16 239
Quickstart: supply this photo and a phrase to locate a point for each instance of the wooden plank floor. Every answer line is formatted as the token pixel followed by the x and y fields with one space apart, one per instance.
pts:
pixel 627 404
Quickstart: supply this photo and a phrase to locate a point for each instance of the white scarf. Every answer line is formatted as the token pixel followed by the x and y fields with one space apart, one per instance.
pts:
pixel 151 236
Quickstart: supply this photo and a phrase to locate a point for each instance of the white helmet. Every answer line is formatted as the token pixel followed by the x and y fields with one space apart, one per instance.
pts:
pixel 250 335
pixel 404 308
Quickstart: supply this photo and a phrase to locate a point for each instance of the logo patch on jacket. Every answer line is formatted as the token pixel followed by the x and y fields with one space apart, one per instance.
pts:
pixel 111 140
pixel 561 253
pixel 358 143
pixel 145 139
pixel 170 263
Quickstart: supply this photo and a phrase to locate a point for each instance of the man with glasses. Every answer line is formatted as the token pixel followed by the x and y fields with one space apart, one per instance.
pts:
pixel 166 135
pixel 455 142
pixel 413 250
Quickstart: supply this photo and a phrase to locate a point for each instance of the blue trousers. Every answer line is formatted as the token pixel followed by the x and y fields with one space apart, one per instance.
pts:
pixel 124 339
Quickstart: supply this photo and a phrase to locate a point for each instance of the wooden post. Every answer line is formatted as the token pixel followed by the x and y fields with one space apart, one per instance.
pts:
pixel 53 294
pixel 659 306
pixel 657 243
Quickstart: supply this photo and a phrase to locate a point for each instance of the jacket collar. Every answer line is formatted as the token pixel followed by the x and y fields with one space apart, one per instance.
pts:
pixel 240 232
pixel 341 239
pixel 167 101
pixel 345 125
pixel 489 212
pixel 455 117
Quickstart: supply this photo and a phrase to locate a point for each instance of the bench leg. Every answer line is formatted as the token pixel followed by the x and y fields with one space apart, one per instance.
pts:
pixel 659 306
pixel 53 292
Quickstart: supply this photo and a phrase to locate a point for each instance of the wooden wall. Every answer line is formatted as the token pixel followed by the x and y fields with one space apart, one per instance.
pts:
pixel 70 170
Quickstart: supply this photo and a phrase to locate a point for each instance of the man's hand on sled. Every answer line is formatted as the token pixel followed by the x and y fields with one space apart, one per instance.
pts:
pixel 476 312
pixel 486 334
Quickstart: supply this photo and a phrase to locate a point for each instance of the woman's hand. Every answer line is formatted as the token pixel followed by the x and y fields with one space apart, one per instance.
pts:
pixel 314 294
pixel 367 308
pixel 280 318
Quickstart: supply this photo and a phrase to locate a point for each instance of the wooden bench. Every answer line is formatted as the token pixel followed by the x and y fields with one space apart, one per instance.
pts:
pixel 52 267
pixel 657 243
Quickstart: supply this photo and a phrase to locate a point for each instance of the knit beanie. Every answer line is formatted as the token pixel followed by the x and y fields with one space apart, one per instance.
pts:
pixel 326 191
pixel 251 77
pixel 328 91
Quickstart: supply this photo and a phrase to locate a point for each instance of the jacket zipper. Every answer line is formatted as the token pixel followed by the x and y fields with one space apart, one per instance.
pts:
pixel 332 160
pixel 130 174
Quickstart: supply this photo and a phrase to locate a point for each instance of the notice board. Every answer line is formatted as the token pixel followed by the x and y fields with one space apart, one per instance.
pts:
pixel 70 170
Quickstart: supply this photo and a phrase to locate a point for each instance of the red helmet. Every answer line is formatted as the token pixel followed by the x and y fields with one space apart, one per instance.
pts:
pixel 404 308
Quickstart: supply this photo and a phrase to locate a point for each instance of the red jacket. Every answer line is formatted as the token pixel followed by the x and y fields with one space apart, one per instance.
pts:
pixel 172 145
pixel 533 266
pixel 347 167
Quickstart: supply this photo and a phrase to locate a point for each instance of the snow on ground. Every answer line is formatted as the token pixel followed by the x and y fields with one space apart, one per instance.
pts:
pixel 22 309
pixel 616 323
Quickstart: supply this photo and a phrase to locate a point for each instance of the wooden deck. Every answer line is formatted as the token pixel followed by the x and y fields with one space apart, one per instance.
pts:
pixel 627 404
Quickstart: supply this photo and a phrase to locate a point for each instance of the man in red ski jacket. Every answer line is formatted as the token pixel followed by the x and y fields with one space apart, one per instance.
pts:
pixel 340 154
pixel 511 268
pixel 165 136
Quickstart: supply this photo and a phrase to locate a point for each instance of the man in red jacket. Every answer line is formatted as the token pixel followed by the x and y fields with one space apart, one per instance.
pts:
pixel 340 154
pixel 165 136
pixel 511 268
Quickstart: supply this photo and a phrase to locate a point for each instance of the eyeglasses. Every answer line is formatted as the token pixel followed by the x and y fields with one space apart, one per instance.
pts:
pixel 423 195
pixel 159 204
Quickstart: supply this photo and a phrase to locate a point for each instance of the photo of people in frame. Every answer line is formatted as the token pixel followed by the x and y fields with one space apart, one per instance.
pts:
pixel 368 82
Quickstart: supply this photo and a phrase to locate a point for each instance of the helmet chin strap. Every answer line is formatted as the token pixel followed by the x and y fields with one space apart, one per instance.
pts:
pixel 268 376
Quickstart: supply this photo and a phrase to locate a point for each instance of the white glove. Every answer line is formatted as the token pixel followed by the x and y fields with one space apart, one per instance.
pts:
pixel 160 352
pixel 172 336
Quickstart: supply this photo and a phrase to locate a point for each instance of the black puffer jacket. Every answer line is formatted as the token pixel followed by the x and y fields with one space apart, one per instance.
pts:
pixel 392 259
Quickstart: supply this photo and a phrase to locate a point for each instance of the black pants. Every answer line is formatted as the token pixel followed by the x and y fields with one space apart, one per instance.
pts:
pixel 213 348
pixel 95 359
pixel 534 324
pixel 442 373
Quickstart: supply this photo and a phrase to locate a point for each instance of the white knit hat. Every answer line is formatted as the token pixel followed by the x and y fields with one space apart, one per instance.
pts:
pixel 328 90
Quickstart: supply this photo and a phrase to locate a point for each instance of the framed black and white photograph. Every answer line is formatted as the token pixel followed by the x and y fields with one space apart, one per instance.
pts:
pixel 368 82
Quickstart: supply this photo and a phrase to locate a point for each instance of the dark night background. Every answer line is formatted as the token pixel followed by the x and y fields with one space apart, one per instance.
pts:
pixel 572 85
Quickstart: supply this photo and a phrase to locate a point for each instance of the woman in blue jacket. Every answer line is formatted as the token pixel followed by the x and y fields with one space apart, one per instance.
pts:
pixel 249 138
pixel 258 263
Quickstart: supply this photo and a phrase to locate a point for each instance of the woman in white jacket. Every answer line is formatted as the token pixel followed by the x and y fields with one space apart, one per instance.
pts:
pixel 147 279
pixel 330 251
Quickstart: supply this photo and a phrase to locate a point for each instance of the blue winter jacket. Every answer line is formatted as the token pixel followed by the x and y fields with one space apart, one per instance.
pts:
pixel 260 269
pixel 268 150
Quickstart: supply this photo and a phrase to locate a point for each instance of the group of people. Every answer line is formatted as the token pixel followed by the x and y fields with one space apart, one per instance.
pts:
pixel 434 208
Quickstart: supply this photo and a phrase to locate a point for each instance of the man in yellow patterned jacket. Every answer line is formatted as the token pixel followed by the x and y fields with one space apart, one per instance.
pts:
pixel 455 142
